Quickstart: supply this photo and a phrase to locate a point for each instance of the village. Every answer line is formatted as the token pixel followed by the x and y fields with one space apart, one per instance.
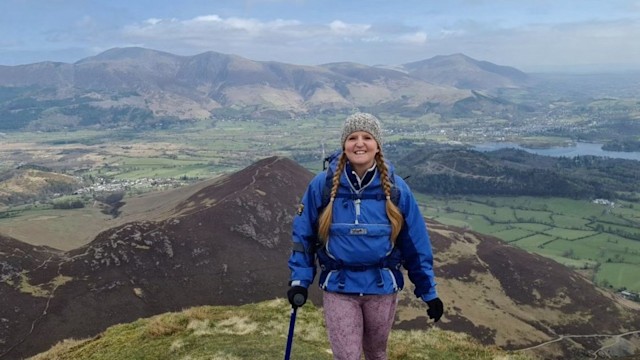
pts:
pixel 130 186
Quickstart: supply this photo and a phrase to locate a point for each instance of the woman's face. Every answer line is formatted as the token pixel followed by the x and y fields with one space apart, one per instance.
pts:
pixel 361 149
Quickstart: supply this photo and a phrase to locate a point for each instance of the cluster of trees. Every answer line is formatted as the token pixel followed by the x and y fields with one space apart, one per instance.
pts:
pixel 68 204
pixel 514 183
pixel 510 172
pixel 113 200
pixel 624 145
pixel 632 235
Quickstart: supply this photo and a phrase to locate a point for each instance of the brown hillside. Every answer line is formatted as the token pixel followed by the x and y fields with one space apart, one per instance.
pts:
pixel 24 185
pixel 226 242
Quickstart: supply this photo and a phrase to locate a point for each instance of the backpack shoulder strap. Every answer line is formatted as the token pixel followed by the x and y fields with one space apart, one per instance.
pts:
pixel 326 189
pixel 395 191
pixel 328 170
pixel 395 194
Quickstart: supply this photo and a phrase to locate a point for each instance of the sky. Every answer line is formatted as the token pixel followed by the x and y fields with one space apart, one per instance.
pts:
pixel 530 35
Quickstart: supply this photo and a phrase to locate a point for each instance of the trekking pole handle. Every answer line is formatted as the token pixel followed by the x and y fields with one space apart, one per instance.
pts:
pixel 298 300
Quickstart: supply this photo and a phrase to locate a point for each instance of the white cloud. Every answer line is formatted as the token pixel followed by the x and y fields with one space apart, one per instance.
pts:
pixel 419 37
pixel 247 36
pixel 342 28
pixel 152 21
pixel 207 18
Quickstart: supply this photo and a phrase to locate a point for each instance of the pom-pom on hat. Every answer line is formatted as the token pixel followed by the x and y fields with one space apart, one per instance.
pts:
pixel 362 122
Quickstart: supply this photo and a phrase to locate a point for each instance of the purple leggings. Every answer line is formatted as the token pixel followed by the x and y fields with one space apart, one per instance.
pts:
pixel 356 323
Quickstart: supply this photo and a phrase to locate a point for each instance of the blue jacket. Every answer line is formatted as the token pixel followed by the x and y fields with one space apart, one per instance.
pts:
pixel 359 257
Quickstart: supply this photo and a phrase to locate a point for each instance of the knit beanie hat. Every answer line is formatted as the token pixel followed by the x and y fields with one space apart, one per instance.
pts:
pixel 362 122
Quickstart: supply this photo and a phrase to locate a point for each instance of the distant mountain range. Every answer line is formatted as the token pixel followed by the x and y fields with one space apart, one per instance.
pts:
pixel 147 88
pixel 226 241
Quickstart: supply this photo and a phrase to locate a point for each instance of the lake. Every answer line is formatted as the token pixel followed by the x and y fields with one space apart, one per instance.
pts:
pixel 579 149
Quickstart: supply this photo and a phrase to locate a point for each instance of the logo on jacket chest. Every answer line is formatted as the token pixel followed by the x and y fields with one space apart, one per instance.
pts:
pixel 358 231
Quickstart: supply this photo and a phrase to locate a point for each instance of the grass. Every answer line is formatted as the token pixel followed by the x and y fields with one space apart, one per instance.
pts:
pixel 618 274
pixel 42 225
pixel 42 290
pixel 576 233
pixel 254 331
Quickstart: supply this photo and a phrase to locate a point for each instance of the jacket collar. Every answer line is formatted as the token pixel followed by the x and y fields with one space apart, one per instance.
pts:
pixel 356 181
pixel 333 164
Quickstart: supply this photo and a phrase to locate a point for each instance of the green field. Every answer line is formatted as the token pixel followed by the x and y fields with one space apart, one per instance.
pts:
pixel 579 234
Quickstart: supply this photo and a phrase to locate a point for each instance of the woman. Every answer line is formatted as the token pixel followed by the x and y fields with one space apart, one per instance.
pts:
pixel 370 227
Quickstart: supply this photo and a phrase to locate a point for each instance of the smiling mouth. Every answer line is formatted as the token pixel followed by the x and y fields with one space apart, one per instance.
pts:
pixel 360 152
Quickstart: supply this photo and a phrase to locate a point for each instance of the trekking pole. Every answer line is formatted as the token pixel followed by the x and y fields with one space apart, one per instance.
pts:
pixel 298 299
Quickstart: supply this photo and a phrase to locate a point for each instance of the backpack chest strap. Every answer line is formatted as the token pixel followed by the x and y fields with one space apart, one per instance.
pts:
pixel 379 196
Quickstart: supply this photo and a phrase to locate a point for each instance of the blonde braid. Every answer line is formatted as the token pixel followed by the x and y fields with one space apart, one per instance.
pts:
pixel 393 213
pixel 324 221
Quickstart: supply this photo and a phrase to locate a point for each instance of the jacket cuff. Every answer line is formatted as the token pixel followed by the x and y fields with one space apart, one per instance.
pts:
pixel 432 294
pixel 304 284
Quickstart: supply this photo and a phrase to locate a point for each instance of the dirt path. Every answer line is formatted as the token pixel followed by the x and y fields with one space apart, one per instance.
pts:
pixel 618 337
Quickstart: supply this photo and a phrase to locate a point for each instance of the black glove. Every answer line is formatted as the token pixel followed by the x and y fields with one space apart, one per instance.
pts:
pixel 297 296
pixel 436 308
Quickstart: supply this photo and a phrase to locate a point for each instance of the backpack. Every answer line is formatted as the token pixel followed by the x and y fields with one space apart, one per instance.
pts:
pixel 326 190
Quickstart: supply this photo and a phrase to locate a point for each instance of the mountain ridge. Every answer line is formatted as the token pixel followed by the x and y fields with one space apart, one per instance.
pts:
pixel 146 87
pixel 478 75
